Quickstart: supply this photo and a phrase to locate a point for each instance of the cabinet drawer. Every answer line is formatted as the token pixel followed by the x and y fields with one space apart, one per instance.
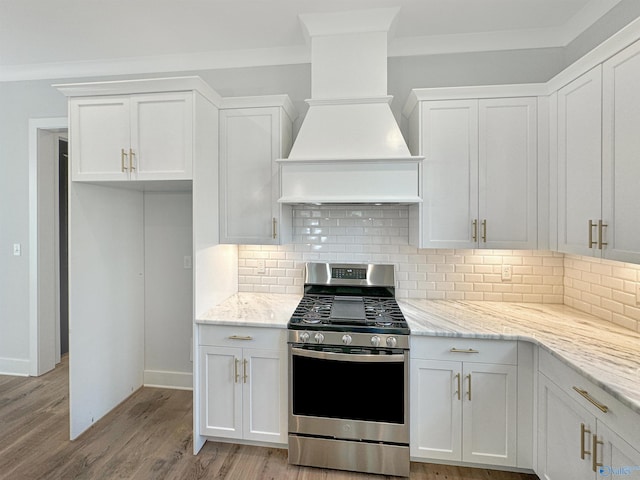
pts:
pixel 465 349
pixel 244 337
pixel 620 418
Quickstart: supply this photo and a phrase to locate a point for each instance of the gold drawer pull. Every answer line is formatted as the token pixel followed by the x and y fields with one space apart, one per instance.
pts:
pixel 460 350
pixel 123 155
pixel 484 231
pixel 591 227
pixel 602 407
pixel 457 377
pixel 600 227
pixel 474 230
pixel 235 370
pixel 131 155
pixel 240 337
pixel 469 390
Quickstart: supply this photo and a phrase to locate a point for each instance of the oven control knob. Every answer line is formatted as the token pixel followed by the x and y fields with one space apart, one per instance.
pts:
pixel 375 341
pixel 304 337
pixel 392 342
pixel 319 338
pixel 346 339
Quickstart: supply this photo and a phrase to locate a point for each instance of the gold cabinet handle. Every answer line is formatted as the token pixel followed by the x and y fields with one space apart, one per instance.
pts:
pixel 240 337
pixel 474 230
pixel 131 155
pixel 594 458
pixel 583 430
pixel 601 406
pixel 244 371
pixel 600 227
pixel 484 230
pixel 274 226
pixel 469 386
pixel 460 350
pixel 457 392
pixel 236 371
pixel 123 164
pixel 591 227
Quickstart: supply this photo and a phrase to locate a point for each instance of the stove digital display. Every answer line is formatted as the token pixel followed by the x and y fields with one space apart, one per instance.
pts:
pixel 349 273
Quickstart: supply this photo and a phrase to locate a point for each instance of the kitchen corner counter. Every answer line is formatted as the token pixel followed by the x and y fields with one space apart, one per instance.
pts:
pixel 252 310
pixel 603 352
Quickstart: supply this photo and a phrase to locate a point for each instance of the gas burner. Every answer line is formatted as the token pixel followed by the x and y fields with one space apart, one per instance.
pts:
pixel 317 312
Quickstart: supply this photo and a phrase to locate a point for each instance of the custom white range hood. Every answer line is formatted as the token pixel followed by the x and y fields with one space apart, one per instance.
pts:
pixel 349 148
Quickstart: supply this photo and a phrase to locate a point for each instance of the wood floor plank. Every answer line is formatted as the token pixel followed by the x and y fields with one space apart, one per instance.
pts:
pixel 147 437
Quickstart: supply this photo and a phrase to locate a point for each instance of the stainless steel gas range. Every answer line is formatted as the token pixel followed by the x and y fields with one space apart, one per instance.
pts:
pixel 349 371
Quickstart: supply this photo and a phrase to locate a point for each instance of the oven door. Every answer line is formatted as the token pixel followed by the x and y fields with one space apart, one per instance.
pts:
pixel 349 393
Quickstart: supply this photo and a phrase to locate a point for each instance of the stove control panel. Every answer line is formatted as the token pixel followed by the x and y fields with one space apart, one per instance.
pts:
pixel 352 339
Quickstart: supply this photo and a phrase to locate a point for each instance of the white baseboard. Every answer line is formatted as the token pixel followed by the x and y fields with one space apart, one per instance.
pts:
pixel 14 366
pixel 163 379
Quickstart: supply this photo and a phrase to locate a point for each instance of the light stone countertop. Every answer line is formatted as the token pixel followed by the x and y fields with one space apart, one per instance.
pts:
pixel 604 353
pixel 252 310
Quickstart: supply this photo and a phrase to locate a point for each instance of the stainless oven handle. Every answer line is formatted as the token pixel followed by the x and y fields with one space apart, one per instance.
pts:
pixel 347 357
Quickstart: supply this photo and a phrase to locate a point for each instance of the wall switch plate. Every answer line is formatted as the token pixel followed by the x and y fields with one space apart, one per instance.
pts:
pixel 260 268
pixel 506 272
pixel 17 249
pixel 188 261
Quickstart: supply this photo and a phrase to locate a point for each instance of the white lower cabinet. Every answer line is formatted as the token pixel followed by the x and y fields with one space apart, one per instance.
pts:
pixel 583 433
pixel 464 410
pixel 243 389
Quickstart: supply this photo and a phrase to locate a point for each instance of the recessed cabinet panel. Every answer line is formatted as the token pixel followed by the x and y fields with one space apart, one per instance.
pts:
pixel 436 417
pixel 621 156
pixel 579 162
pixel 99 130
pixel 508 173
pixel 262 405
pixel 489 427
pixel 248 173
pixel 450 180
pixel 221 391
pixel 161 136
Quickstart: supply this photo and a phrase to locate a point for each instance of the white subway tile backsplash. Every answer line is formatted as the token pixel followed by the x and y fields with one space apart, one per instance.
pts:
pixel 363 234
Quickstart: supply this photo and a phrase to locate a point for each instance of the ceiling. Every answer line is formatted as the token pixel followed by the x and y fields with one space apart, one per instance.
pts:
pixel 64 38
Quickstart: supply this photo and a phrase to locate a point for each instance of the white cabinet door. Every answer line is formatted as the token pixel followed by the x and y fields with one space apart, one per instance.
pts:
pixel 480 173
pixel 436 414
pixel 262 396
pixel 464 411
pixel 564 435
pixel 617 457
pixel 241 394
pixel 489 413
pixel 99 131
pixel 579 162
pixel 507 173
pixel 450 178
pixel 135 137
pixel 162 136
pixel 250 142
pixel 621 156
pixel 221 391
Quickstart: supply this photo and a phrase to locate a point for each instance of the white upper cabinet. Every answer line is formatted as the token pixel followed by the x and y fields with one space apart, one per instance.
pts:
pixel 579 163
pixel 621 155
pixel 132 137
pixel 480 173
pixel 598 167
pixel 251 139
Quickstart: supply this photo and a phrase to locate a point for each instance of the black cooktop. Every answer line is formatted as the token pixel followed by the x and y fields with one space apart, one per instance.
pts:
pixel 368 314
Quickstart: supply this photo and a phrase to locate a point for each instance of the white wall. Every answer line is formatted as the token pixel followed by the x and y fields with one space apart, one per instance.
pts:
pixel 168 289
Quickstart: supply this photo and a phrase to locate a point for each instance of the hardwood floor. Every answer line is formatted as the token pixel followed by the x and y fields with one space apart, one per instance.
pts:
pixel 146 437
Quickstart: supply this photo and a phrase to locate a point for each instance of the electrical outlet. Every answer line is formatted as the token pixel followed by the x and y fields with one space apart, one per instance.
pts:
pixel 506 272
pixel 260 267
pixel 17 249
